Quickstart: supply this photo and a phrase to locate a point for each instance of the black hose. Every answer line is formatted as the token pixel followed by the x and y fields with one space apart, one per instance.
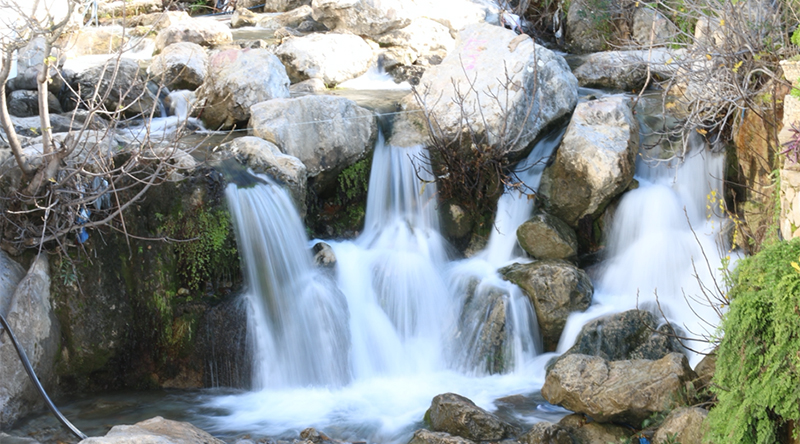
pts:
pixel 29 370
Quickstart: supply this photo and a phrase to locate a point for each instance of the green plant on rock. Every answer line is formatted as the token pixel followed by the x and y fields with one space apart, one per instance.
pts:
pixel 757 379
pixel 202 251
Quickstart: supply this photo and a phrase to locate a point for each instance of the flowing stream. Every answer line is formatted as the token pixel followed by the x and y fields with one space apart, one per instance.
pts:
pixel 359 351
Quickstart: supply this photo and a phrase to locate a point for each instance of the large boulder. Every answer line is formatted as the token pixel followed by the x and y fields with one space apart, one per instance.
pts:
pixel 626 70
pixel 556 288
pixel 546 237
pixel 30 315
pixel 651 27
pixel 326 133
pixel 634 334
pixel 540 90
pixel 423 436
pixel 483 324
pixel 289 19
pixel 589 25
pixel 585 432
pixel 685 425
pixel 626 391
pixel 595 161
pixel 10 275
pixel 237 80
pixel 120 81
pixel 182 65
pixel 457 415
pixel 202 31
pixel 424 42
pixel 265 157
pixel 363 17
pixel 333 58
pixel 155 430
pixel 23 103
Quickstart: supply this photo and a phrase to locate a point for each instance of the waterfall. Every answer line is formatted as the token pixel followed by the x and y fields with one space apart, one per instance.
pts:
pixel 297 318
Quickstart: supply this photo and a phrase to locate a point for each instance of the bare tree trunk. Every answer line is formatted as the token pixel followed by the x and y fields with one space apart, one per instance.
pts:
pixel 5 119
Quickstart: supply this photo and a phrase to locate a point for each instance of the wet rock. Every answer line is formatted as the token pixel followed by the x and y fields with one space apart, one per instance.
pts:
pixel 32 126
pixel 333 58
pixel 10 274
pixel 685 425
pixel 22 103
pixel 626 70
pixel 324 255
pixel 423 436
pixel 155 430
pixel 122 80
pixel 264 157
pixel 202 31
pixel 484 54
pixel 628 391
pixel 595 161
pixel 633 334
pixel 650 27
pixel 483 321
pixel 424 42
pixel 181 65
pixel 237 80
pixel 546 237
pixel 27 80
pixel 326 133
pixel 10 439
pixel 547 433
pixel 556 288
pixel 243 17
pixel 456 223
pixel 313 435
pixel 30 315
pixel 457 415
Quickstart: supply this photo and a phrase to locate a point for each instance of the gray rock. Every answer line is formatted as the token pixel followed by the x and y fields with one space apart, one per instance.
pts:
pixel 333 58
pixel 308 86
pixel 155 431
pixel 360 17
pixel 243 17
pixel 424 42
pixel 326 133
pixel 685 425
pixel 627 391
pixel 10 439
pixel 584 432
pixel 547 237
pixel 32 126
pixel 118 8
pixel 650 27
pixel 483 325
pixel 264 157
pixel 705 370
pixel 182 65
pixel 423 436
pixel 28 80
pixel 237 80
pixel 290 19
pixel 633 334
pixel 22 103
pixel 457 415
pixel 281 5
pixel 202 31
pixel 626 70
pixel 547 433
pixel 556 288
pixel 32 55
pixel 595 161
pixel 11 273
pixel 483 55
pixel 324 255
pixel 122 79
pixel 97 40
pixel 588 25
pixel 30 316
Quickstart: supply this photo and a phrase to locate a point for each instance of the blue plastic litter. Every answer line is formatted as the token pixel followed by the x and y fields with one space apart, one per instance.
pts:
pixel 83 236
pixel 644 441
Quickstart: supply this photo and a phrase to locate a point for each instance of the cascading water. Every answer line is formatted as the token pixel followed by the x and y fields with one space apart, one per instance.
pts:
pixel 361 354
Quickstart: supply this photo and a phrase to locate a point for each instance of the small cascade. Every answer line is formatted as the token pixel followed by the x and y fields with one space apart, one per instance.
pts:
pixel 297 324
pixel 664 240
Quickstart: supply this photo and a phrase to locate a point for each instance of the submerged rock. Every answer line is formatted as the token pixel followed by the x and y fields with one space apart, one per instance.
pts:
pixel 457 415
pixel 483 56
pixel 333 58
pixel 326 133
pixel 30 315
pixel 595 161
pixel 556 288
pixel 628 391
pixel 237 80
pixel 155 430
pixel 546 237
pixel 634 334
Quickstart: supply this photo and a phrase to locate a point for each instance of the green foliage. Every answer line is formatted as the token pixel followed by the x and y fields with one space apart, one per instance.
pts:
pixel 203 250
pixel 354 181
pixel 796 37
pixel 756 380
